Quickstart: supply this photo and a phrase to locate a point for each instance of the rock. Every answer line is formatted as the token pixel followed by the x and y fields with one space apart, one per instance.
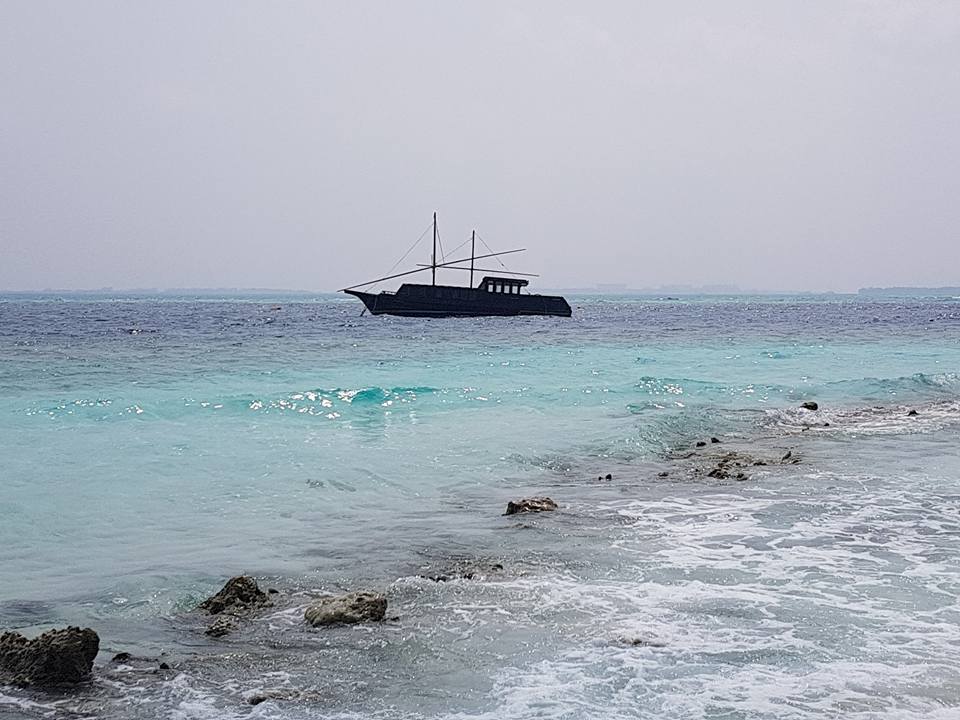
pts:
pixel 787 456
pixel 809 405
pixel 272 591
pixel 701 443
pixel 223 625
pixel 121 657
pixel 719 473
pixel 646 642
pixel 714 440
pixel 663 473
pixel 240 594
pixel 759 462
pixel 533 504
pixel 164 666
pixel 741 476
pixel 285 694
pixel 56 657
pixel 355 607
pixel 464 570
pixel 913 412
pixel 608 476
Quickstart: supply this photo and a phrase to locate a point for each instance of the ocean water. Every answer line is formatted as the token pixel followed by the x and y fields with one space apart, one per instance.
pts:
pixel 152 447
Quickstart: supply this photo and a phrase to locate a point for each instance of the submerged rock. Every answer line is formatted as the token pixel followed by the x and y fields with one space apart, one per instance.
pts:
pixel 701 443
pixel 533 504
pixel 355 607
pixel 789 459
pixel 285 694
pixel 56 657
pixel 809 405
pixel 642 641
pixel 241 594
pixel 731 464
pixel 913 412
pixel 463 570
pixel 715 441
pixel 223 625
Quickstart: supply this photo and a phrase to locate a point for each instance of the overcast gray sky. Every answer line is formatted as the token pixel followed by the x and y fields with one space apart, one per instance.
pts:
pixel 773 145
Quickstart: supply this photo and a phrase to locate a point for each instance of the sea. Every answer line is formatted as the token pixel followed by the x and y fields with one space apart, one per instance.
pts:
pixel 718 551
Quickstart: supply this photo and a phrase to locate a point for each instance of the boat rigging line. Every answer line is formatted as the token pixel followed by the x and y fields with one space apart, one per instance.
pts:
pixel 404 257
pixel 491 250
pixel 431 267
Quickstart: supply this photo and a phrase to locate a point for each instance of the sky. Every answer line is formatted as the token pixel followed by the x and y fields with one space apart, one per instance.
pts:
pixel 778 146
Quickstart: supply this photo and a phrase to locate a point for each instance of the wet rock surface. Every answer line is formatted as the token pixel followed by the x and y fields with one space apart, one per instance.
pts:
pixel 809 405
pixel 460 570
pixel 240 595
pixel 644 641
pixel 239 598
pixel 57 657
pixel 728 465
pixel 223 625
pixel 529 505
pixel 352 608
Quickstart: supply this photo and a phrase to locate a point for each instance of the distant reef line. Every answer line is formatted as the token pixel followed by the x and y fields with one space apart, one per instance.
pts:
pixel 953 291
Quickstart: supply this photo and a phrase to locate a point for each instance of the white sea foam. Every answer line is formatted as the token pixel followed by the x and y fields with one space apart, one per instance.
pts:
pixel 888 419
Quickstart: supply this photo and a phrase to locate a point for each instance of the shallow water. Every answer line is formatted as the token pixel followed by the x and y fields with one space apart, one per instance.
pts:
pixel 154 447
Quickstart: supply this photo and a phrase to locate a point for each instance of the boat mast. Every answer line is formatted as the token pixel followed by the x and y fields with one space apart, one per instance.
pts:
pixel 433 267
pixel 473 242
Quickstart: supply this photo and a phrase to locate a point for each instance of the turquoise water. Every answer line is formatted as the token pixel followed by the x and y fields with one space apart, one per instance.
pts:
pixel 153 447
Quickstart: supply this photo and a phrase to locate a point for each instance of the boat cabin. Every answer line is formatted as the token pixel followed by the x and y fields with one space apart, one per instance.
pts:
pixel 510 286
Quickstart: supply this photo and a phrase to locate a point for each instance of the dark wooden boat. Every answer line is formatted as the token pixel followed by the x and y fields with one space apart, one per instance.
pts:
pixel 498 294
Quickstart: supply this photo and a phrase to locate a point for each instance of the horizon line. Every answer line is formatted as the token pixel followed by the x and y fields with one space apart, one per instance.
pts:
pixel 602 289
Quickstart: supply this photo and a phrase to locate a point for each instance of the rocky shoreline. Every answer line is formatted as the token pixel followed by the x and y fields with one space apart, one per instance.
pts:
pixel 62 658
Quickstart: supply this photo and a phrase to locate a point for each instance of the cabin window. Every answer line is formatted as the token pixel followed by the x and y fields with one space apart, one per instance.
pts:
pixel 489 287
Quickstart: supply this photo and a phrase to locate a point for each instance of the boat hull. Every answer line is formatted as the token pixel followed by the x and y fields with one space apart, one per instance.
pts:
pixel 447 301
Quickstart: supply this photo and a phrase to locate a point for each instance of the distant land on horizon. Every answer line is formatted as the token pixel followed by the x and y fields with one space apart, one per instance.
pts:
pixel 908 291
